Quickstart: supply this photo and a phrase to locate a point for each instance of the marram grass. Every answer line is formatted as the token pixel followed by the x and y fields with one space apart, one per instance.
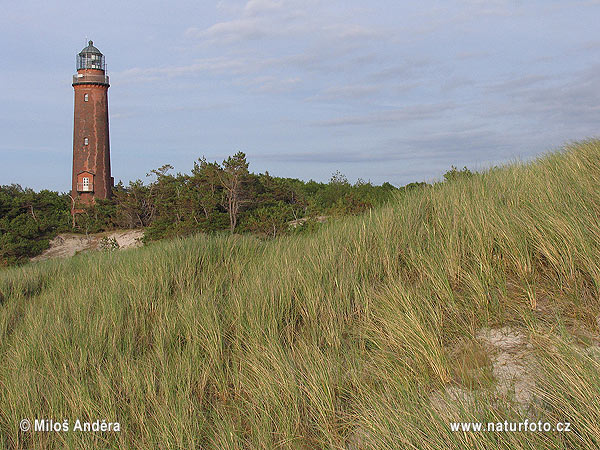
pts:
pixel 337 340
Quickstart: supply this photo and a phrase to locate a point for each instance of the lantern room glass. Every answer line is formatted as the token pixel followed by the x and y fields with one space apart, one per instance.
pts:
pixel 90 61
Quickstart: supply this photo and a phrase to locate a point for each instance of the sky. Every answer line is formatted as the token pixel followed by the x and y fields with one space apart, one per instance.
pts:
pixel 389 90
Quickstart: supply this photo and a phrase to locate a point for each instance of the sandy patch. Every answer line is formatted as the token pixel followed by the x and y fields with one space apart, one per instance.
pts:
pixel 512 367
pixel 68 244
pixel 512 363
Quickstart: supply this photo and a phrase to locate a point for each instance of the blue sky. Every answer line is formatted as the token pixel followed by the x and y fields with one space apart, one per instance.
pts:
pixel 392 91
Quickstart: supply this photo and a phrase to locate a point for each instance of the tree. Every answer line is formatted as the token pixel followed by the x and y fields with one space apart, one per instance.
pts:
pixel 233 178
pixel 134 205
pixel 338 178
pixel 205 182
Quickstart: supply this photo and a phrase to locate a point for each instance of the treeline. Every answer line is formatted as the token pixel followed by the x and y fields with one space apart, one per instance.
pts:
pixel 213 197
pixel 228 197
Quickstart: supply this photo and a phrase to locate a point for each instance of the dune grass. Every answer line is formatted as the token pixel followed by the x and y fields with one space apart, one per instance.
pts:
pixel 335 340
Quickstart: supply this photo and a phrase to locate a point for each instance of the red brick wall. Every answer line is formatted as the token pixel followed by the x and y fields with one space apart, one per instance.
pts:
pixel 91 122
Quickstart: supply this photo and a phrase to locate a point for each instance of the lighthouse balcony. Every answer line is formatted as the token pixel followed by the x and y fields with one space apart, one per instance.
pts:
pixel 89 78
pixel 83 187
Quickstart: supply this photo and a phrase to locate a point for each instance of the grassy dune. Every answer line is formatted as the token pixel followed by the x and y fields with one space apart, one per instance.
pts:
pixel 340 339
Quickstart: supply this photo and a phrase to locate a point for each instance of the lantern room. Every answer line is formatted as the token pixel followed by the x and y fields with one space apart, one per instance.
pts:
pixel 90 58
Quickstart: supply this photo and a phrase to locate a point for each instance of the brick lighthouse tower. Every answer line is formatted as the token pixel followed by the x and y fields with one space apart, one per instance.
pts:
pixel 91 150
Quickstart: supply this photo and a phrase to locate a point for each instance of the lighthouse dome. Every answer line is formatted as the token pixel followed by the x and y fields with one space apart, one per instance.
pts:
pixel 90 58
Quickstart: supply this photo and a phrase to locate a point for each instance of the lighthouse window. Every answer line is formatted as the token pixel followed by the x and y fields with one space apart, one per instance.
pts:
pixel 86 183
pixel 85 141
pixel 85 97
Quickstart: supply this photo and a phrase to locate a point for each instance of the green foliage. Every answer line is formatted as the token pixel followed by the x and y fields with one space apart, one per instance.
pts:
pixel 100 216
pixel 216 197
pixel 455 174
pixel 205 189
pixel 133 205
pixel 270 220
pixel 410 186
pixel 28 220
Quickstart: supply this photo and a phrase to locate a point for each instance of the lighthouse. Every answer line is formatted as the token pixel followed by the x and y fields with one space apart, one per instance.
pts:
pixel 91 150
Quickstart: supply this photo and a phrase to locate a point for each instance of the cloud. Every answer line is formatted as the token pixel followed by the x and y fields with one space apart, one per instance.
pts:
pixel 257 20
pixel 442 148
pixel 472 55
pixel 232 31
pixel 451 84
pixel 308 20
pixel 517 85
pixel 256 7
pixel 273 85
pixel 346 31
pixel 569 102
pixel 118 115
pixel 277 47
pixel 218 65
pixel 335 156
pixel 348 92
pixel 390 117
pixel 409 68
